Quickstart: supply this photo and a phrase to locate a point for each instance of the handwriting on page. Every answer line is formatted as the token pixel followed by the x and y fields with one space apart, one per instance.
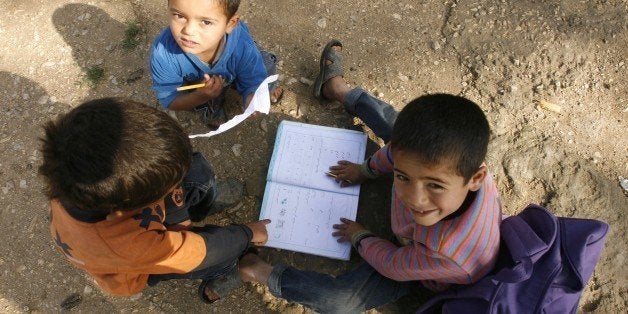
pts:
pixel 303 218
pixel 307 157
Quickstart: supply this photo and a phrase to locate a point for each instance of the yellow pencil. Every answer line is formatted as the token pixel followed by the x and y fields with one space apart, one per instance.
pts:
pixel 336 176
pixel 186 87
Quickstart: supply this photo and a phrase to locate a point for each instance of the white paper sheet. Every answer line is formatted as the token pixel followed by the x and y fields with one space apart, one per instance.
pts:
pixel 260 103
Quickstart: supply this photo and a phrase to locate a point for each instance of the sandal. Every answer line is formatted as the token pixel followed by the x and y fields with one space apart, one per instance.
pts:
pixel 211 290
pixel 328 71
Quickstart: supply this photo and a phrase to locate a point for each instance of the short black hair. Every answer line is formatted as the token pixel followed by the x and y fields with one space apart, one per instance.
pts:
pixel 113 154
pixel 230 7
pixel 442 128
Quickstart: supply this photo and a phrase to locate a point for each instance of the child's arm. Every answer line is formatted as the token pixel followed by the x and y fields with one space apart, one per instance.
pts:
pixel 189 100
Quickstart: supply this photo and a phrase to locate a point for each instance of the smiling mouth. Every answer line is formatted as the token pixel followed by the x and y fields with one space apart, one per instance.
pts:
pixel 423 212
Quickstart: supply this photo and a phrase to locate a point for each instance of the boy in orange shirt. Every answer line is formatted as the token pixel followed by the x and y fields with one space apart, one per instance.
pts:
pixel 123 182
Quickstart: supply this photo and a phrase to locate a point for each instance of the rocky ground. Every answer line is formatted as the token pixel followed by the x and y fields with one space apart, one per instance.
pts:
pixel 521 61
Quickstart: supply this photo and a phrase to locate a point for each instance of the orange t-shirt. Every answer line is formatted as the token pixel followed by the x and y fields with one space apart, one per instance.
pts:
pixel 121 251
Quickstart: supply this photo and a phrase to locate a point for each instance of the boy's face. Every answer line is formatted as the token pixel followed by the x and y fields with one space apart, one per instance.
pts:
pixel 431 192
pixel 199 26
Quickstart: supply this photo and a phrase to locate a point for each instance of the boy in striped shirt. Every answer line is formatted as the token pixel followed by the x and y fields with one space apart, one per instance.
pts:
pixel 445 214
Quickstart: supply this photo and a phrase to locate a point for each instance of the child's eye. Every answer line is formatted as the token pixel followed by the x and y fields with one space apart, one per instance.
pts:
pixel 435 186
pixel 401 177
pixel 177 16
pixel 206 22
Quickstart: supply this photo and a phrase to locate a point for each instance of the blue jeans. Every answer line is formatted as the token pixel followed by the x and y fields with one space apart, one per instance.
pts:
pixel 357 290
pixel 200 191
pixel 376 114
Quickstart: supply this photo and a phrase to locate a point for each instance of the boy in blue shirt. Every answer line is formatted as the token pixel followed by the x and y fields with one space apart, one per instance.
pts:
pixel 207 43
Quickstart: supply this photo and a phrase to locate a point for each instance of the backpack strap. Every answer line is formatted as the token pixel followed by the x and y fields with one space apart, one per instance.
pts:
pixel 527 236
pixel 582 244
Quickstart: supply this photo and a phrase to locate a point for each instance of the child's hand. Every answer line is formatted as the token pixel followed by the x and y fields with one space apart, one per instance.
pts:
pixel 260 235
pixel 346 229
pixel 347 173
pixel 213 86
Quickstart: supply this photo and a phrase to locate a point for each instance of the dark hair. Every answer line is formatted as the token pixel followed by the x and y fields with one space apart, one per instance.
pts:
pixel 230 7
pixel 443 128
pixel 113 154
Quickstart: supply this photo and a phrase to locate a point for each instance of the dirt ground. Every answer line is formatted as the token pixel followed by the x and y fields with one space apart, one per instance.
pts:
pixel 509 56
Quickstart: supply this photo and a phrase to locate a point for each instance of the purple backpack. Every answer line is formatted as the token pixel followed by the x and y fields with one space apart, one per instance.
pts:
pixel 543 265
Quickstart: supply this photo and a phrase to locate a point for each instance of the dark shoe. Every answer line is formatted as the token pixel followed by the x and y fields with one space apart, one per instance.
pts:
pixel 327 71
pixel 211 290
pixel 228 194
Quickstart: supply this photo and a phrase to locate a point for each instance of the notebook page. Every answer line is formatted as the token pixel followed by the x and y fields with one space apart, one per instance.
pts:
pixel 302 219
pixel 304 152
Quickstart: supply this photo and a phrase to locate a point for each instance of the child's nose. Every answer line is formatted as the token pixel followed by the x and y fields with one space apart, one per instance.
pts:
pixel 420 198
pixel 188 29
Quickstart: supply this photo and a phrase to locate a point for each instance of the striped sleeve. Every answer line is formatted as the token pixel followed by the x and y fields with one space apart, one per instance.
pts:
pixel 381 162
pixel 411 263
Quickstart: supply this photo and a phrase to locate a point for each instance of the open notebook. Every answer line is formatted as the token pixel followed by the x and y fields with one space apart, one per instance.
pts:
pixel 300 199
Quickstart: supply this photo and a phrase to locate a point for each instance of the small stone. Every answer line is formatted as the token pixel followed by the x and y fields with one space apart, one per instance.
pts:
pixel 322 23
pixel 216 153
pixel 43 100
pixel 435 45
pixel 237 149
pixel 21 268
pixel 264 126
pixel 22 184
pixel 87 290
pixel 403 78
pixel 396 16
pixel 306 81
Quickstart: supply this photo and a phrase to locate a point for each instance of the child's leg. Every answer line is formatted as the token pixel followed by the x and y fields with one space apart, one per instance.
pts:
pixel 330 84
pixel 357 290
pixel 205 196
pixel 270 62
pixel 376 114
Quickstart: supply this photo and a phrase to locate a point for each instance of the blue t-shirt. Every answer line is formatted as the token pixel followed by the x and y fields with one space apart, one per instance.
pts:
pixel 240 63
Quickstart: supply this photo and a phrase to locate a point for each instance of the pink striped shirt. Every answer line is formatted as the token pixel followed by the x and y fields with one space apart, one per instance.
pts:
pixel 460 250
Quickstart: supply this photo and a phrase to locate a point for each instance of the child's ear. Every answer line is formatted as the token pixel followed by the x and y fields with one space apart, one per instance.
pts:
pixel 232 23
pixel 477 179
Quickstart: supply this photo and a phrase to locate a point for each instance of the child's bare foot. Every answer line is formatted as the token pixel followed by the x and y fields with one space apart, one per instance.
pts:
pixel 330 82
pixel 254 269
pixel 275 94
